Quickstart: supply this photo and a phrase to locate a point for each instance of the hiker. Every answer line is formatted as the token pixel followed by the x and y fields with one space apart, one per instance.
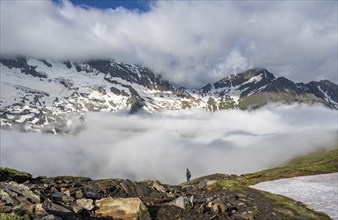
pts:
pixel 188 176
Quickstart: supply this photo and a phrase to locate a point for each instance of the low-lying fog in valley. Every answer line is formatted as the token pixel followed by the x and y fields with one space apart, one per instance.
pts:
pixel 162 145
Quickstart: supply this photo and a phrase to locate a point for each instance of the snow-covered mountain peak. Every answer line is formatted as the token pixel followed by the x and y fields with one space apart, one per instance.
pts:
pixel 52 96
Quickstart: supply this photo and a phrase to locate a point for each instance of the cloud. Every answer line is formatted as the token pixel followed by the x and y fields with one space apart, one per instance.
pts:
pixel 162 145
pixel 188 42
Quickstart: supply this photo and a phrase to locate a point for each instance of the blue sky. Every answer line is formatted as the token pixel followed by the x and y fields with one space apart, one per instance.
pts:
pixel 141 5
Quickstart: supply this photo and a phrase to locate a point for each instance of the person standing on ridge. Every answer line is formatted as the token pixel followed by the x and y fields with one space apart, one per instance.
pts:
pixel 188 176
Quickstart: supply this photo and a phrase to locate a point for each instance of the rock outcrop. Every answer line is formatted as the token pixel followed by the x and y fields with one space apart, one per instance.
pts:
pixel 45 198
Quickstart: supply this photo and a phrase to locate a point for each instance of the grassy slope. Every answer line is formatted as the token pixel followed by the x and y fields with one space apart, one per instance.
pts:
pixel 316 163
pixel 325 161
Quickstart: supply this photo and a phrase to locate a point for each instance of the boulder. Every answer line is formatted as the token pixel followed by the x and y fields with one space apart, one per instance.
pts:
pixel 157 185
pixel 92 195
pixel 202 184
pixel 14 189
pixel 61 198
pixel 7 198
pixel 39 210
pixel 85 204
pixel 78 194
pixel 135 188
pixel 180 202
pixel 122 208
pixel 50 206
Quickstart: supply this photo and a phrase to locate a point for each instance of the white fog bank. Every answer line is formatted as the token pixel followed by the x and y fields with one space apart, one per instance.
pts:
pixel 162 145
pixel 319 191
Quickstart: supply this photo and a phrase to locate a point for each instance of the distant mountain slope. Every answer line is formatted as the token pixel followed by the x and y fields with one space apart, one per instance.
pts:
pixel 50 96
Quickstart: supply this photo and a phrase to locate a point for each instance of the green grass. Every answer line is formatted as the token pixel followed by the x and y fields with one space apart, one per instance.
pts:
pixel 324 161
pixel 12 216
pixel 13 172
pixel 287 203
pixel 315 163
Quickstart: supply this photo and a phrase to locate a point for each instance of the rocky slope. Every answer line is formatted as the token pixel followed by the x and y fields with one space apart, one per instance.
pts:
pixel 44 198
pixel 49 96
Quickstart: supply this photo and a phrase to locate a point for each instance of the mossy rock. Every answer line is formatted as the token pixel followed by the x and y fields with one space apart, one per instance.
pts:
pixel 8 174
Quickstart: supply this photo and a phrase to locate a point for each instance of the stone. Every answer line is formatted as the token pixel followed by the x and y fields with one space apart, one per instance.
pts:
pixel 76 209
pixel 215 208
pixel 135 188
pixel 61 198
pixel 122 208
pixel 180 202
pixel 67 193
pixel 85 204
pixel 22 190
pixel 209 205
pixel 158 186
pixel 92 195
pixel 50 206
pixel 241 196
pixel 222 207
pixel 7 198
pixel 245 216
pixel 202 184
pixel 192 201
pixel 39 210
pixel 77 194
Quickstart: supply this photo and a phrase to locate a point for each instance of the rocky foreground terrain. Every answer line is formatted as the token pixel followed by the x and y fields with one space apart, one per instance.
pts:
pixel 47 198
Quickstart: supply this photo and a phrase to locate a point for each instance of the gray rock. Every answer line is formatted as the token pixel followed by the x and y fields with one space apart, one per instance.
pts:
pixel 192 201
pixel 92 195
pixel 21 190
pixel 61 197
pixel 50 206
pixel 180 202
pixel 7 198
pixel 202 184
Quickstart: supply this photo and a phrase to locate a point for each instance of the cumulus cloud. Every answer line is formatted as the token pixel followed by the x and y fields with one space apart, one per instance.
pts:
pixel 162 145
pixel 189 43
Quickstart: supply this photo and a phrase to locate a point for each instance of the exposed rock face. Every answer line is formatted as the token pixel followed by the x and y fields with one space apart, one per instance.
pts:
pixel 45 198
pixel 124 208
pixel 45 96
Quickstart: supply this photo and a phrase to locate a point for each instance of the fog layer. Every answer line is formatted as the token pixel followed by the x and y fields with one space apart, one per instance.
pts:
pixel 162 145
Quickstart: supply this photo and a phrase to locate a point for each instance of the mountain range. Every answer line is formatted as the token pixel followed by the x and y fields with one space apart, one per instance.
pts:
pixel 52 96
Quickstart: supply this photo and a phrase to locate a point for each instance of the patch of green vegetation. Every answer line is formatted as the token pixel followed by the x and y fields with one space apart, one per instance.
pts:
pixel 12 216
pixel 315 163
pixel 108 182
pixel 287 203
pixel 324 161
pixel 13 172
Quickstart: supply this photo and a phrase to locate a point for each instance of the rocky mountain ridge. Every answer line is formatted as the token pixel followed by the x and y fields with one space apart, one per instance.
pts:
pixel 47 198
pixel 50 96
